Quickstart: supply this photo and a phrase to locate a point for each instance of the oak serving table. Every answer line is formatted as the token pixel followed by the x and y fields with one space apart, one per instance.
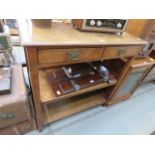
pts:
pixel 61 44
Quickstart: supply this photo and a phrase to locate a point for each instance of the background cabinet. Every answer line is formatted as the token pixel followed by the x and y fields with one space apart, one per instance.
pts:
pixel 151 75
pixel 133 78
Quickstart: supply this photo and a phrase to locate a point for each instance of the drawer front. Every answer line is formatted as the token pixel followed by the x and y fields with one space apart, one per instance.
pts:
pixel 58 56
pixel 115 52
pixel 11 118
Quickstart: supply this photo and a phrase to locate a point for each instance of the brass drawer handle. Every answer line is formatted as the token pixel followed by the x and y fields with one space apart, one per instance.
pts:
pixel 5 116
pixel 73 55
pixel 121 51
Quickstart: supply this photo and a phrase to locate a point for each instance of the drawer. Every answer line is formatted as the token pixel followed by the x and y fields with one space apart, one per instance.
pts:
pixel 115 52
pixel 69 55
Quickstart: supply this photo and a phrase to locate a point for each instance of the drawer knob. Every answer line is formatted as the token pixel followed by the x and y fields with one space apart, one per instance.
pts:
pixel 74 55
pixel 5 116
pixel 121 51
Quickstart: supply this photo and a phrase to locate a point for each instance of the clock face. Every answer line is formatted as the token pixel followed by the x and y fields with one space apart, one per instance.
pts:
pixel 107 23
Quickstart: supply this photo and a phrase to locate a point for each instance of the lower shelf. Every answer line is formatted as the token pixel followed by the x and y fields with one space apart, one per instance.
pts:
pixel 64 108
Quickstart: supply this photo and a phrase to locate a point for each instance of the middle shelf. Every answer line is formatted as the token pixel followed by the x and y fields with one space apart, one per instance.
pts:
pixel 47 94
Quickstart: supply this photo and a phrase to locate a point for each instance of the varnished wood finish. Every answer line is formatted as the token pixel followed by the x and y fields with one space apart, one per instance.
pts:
pixel 142 28
pixel 139 27
pixel 47 95
pixel 135 26
pixel 18 129
pixel 123 51
pixel 31 55
pixel 151 74
pixel 66 35
pixel 59 110
pixel 143 62
pixel 138 65
pixel 60 56
pixel 124 71
pixel 77 23
pixel 49 47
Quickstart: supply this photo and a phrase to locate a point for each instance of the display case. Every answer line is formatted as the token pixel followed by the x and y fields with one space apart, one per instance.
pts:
pixel 136 73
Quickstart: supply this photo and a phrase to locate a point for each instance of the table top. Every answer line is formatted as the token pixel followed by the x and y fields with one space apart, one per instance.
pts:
pixel 62 34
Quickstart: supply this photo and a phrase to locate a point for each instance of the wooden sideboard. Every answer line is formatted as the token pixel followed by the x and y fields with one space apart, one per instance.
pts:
pixel 61 44
pixel 145 29
pixel 140 27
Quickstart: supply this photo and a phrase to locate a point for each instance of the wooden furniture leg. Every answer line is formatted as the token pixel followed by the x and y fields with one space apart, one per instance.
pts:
pixel 34 79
